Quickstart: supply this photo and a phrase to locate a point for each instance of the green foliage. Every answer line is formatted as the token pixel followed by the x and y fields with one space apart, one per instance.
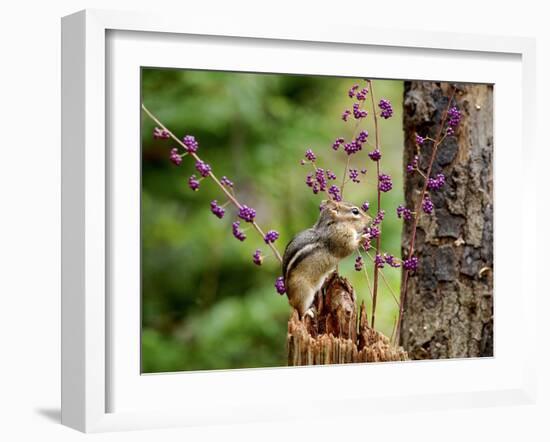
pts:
pixel 205 305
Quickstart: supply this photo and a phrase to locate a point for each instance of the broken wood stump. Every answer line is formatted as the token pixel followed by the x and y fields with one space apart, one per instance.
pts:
pixel 337 334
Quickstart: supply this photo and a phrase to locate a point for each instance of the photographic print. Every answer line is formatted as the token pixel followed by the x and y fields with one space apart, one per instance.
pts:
pixel 292 220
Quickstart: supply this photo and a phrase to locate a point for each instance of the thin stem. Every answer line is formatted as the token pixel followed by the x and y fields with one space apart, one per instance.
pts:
pixel 220 185
pixel 367 275
pixel 417 217
pixel 394 296
pixel 344 177
pixel 378 200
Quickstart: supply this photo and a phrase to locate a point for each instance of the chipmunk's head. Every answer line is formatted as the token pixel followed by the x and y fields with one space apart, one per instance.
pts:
pixel 343 213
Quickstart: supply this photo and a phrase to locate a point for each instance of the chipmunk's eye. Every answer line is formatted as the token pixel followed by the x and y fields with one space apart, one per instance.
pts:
pixel 355 211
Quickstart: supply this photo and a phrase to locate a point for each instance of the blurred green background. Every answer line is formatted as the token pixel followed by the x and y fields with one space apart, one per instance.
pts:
pixel 205 305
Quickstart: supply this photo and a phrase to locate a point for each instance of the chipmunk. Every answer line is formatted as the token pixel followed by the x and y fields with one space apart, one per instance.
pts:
pixel 314 253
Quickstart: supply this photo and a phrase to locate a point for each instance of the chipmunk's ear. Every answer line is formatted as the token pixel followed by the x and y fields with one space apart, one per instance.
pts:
pixel 330 206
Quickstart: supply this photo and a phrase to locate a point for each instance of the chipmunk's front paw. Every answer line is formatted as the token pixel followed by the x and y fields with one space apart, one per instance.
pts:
pixel 310 312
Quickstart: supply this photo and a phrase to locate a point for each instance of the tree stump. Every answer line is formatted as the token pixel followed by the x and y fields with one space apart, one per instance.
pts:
pixel 449 304
pixel 338 334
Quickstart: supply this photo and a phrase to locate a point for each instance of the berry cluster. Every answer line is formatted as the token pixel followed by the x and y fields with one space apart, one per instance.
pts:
pixel 353 147
pixel 191 145
pixel 203 168
pixel 403 212
pixel 280 285
pixel 334 192
pixel 310 156
pixel 337 143
pixel 257 257
pixel 384 183
pixel 160 134
pixel 237 232
pixel 359 113
pixel 193 183
pixel 375 155
pixel 379 217
pixel 411 167
pixel 247 213
pixel 436 183
pixel 217 210
pixel 175 157
pixel 386 108
pixel 354 175
pixel 427 205
pixel 226 181
pixel 359 263
pixel 271 236
pixel 411 264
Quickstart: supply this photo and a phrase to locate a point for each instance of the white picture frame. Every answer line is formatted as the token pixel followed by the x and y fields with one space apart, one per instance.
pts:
pixel 92 370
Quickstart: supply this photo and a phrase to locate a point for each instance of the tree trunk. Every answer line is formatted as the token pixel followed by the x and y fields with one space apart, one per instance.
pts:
pixel 449 304
pixel 334 335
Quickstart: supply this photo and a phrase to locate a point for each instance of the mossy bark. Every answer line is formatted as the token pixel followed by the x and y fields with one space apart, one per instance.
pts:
pixel 449 304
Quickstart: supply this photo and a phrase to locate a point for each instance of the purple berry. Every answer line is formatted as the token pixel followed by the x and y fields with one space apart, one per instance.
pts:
pixel 384 183
pixel 362 137
pixel 193 183
pixel 271 236
pixel 354 175
pixel 175 157
pixel 403 212
pixel 247 213
pixel 359 113
pixel 352 147
pixel 372 232
pixel 346 114
pixel 414 165
pixel 454 116
pixel 351 92
pixel 358 263
pixel 217 210
pixel 375 155
pixel 226 181
pixel 191 145
pixel 427 205
pixel 387 110
pixel 203 168
pixel 280 285
pixel 331 175
pixel 334 191
pixel 379 218
pixel 379 261
pixel 362 94
pixel 365 206
pixel 237 232
pixel 321 179
pixel 337 143
pixel 310 156
pixel 436 183
pixel 390 260
pixel 257 257
pixel 160 134
pixel 419 140
pixel 411 264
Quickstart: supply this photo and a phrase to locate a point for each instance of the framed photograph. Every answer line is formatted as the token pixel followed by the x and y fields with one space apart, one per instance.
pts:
pixel 251 213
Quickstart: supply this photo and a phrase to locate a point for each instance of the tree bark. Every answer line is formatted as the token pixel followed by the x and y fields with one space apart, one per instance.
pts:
pixel 334 335
pixel 449 303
